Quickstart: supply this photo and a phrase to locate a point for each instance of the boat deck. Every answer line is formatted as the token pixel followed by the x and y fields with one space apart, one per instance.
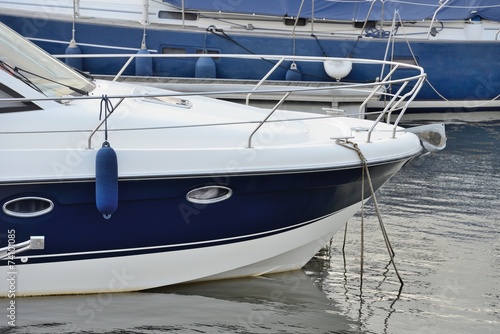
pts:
pixel 327 99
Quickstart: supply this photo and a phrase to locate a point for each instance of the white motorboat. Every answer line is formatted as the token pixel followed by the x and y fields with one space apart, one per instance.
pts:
pixel 108 186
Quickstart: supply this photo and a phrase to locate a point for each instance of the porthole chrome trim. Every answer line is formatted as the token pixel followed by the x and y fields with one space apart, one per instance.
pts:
pixel 39 206
pixel 209 194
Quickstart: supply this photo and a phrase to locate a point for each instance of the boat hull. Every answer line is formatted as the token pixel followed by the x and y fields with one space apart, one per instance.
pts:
pixel 139 272
pixel 271 223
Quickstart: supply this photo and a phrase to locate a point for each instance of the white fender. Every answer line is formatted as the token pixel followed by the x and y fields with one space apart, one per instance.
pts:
pixel 337 69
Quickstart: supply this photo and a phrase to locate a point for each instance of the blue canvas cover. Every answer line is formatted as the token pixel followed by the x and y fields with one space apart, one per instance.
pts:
pixel 352 10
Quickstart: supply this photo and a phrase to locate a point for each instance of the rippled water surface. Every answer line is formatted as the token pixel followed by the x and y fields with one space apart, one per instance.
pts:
pixel 443 220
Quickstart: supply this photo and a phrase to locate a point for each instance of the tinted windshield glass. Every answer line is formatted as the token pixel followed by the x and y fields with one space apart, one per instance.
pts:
pixel 34 63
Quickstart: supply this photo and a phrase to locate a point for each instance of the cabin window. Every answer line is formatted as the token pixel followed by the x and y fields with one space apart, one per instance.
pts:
pixel 166 50
pixel 176 50
pixel 6 93
pixel 290 21
pixel 405 60
pixel 177 15
pixel 361 24
pixel 27 207
pixel 209 194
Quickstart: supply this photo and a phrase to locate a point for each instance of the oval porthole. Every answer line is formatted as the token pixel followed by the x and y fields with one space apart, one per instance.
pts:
pixel 209 194
pixel 26 207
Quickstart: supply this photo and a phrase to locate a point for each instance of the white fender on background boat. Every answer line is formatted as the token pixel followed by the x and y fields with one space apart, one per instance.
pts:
pixel 337 69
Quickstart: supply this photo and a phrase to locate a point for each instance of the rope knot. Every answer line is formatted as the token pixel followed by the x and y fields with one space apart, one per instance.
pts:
pixel 108 109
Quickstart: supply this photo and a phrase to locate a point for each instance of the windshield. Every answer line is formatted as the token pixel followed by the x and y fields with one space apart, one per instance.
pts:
pixel 50 76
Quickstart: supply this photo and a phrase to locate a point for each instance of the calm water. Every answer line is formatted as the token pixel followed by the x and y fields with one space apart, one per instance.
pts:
pixel 442 217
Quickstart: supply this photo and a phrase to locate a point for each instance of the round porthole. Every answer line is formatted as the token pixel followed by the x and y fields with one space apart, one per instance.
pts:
pixel 209 194
pixel 26 207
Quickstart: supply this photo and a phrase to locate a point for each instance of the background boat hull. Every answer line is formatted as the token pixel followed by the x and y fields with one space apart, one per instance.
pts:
pixel 458 70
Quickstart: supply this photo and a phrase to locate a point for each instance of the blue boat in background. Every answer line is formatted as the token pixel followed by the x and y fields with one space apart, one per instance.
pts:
pixel 455 41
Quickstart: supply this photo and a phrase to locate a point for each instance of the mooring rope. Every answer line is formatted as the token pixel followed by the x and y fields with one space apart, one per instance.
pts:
pixel 353 146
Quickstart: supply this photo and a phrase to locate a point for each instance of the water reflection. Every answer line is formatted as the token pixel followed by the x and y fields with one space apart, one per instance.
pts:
pixel 441 214
pixel 284 303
